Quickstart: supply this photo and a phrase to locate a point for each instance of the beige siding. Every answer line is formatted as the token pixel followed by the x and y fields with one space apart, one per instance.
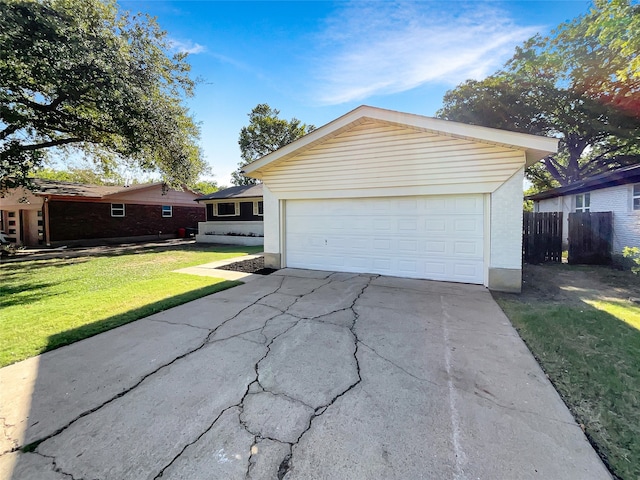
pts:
pixel 381 157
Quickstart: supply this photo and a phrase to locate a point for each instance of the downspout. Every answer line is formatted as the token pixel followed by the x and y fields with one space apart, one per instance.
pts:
pixel 45 214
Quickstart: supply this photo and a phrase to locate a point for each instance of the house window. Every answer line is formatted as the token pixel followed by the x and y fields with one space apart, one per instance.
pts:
pixel 258 209
pixel 228 209
pixel 636 196
pixel 583 202
pixel 167 211
pixel 117 209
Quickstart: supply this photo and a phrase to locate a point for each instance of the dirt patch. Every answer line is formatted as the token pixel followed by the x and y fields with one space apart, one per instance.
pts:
pixel 572 285
pixel 255 265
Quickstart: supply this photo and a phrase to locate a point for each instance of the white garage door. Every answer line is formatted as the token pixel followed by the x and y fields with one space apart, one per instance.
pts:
pixel 433 237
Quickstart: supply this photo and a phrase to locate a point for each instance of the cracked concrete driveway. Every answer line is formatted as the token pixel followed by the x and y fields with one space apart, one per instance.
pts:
pixel 298 375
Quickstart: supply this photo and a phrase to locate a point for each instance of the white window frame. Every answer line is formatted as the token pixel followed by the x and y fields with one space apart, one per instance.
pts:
pixel 586 202
pixel 256 208
pixel 236 210
pixel 167 211
pixel 635 195
pixel 117 211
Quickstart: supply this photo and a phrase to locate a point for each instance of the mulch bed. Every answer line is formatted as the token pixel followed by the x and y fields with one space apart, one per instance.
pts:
pixel 255 265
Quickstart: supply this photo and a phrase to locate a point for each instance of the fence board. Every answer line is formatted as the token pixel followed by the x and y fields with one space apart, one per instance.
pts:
pixel 590 237
pixel 542 237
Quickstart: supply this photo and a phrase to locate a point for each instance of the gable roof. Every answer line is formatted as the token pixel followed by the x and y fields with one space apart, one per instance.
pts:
pixel 241 191
pixel 535 147
pixel 619 176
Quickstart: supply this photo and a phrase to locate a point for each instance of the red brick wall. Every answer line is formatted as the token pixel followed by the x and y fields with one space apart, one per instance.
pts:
pixel 87 220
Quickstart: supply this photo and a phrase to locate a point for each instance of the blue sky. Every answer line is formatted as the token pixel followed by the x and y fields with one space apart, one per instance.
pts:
pixel 318 60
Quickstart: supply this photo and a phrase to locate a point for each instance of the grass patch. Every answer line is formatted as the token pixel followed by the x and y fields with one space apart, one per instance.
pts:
pixel 48 304
pixel 622 310
pixel 591 353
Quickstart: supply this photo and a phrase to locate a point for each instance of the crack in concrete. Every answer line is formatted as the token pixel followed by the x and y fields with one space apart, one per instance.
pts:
pixel 5 429
pixel 31 447
pixel 222 412
pixel 286 463
pixel 250 462
pixel 177 323
pixel 56 468
pixel 240 404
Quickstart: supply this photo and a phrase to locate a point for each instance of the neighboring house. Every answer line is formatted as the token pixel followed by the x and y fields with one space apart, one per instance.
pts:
pixel 234 216
pixel 69 213
pixel 617 191
pixel 379 191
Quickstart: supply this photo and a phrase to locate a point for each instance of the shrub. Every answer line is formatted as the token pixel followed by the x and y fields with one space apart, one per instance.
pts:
pixel 633 253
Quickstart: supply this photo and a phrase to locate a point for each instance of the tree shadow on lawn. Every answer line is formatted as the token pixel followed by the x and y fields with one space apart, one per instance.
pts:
pixel 67 256
pixel 15 294
pixel 85 331
pixel 17 268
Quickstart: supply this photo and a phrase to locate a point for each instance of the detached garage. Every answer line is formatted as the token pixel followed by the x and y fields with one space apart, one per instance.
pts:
pixel 378 191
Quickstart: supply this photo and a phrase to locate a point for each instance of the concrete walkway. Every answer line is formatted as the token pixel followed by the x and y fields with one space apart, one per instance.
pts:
pixel 298 375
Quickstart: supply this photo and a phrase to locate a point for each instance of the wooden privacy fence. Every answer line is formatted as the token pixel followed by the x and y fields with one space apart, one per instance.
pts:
pixel 542 237
pixel 590 237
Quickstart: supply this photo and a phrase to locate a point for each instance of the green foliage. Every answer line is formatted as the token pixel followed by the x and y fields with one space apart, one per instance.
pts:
pixel 80 175
pixel 78 75
pixel 527 205
pixel 567 85
pixel 633 253
pixel 265 133
pixel 205 186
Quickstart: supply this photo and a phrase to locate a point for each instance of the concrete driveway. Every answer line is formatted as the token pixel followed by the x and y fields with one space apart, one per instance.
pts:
pixel 298 375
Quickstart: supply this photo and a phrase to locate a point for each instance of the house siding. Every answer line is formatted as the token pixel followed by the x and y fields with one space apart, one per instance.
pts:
pixel 381 159
pixel 92 220
pixel 626 221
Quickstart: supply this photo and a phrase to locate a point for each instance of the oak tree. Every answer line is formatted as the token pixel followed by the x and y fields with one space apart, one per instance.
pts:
pixel 265 133
pixel 575 85
pixel 80 77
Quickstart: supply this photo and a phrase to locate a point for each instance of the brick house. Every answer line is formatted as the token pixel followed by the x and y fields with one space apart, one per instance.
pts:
pixel 617 191
pixel 57 213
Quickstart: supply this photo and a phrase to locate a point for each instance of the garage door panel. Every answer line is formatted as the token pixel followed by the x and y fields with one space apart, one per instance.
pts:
pixel 440 238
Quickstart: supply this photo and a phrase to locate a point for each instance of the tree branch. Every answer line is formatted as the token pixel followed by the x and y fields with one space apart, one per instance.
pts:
pixel 52 143
pixel 8 131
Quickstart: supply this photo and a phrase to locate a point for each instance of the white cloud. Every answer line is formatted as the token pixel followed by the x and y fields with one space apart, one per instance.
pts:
pixel 383 48
pixel 186 46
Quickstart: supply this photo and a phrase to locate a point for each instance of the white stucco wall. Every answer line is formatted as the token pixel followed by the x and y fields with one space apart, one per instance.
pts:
pixel 272 228
pixel 222 228
pixel 618 199
pixel 626 221
pixel 506 224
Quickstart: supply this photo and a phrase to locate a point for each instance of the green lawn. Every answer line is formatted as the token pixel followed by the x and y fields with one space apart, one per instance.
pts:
pixel 50 303
pixel 590 348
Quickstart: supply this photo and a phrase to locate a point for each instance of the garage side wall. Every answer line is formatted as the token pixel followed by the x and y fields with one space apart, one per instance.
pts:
pixel 505 262
pixel 272 228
